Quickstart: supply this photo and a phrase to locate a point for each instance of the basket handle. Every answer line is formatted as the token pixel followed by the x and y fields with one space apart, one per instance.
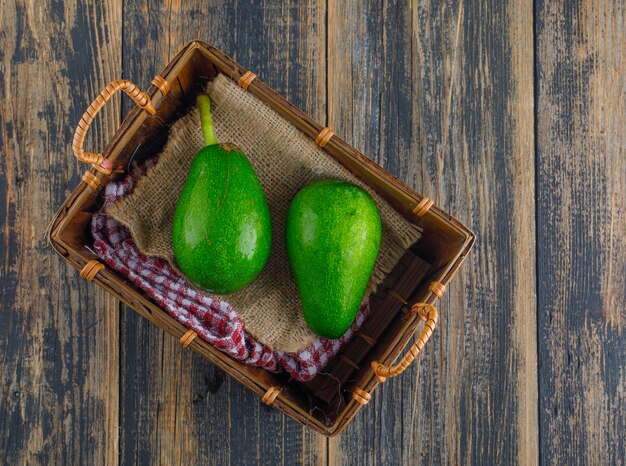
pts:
pixel 96 159
pixel 428 313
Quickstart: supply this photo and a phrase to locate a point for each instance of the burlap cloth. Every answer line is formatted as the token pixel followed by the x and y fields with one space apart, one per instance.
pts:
pixel 285 160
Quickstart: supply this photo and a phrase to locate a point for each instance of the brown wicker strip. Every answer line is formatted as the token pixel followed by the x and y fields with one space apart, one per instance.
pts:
pixel 323 137
pixel 366 338
pixel 97 160
pixel 87 268
pixel 438 288
pixel 246 79
pixel 423 206
pixel 91 269
pixel 91 180
pixel 270 395
pixel 361 396
pixel 428 313
pixel 187 338
pixel 161 84
pixel 349 362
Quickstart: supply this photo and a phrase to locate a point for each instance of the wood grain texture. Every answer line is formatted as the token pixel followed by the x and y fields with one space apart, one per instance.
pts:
pixel 59 344
pixel 441 94
pixel 176 407
pixel 581 136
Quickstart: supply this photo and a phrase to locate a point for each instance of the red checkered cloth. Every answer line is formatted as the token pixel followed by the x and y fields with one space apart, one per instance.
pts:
pixel 212 319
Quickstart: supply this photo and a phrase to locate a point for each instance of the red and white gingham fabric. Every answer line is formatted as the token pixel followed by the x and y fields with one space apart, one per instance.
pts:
pixel 212 319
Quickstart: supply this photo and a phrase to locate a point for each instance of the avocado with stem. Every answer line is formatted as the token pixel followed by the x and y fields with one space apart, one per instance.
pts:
pixel 222 231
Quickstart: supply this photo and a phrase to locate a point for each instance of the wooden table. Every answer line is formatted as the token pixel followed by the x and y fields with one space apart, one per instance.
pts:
pixel 510 114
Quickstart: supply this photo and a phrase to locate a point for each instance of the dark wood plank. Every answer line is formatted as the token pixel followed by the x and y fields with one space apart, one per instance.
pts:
pixel 59 343
pixel 441 94
pixel 176 407
pixel 581 147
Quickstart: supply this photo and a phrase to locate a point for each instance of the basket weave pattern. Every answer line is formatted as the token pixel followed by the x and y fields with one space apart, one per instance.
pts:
pixel 402 306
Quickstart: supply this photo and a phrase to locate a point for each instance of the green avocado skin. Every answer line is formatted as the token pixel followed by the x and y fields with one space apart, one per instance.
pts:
pixel 222 232
pixel 333 235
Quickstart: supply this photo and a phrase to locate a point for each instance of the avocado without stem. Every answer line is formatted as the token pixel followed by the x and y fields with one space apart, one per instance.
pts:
pixel 333 235
pixel 222 233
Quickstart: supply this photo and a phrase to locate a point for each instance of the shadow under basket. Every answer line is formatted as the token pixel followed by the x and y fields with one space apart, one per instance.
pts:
pixel 404 304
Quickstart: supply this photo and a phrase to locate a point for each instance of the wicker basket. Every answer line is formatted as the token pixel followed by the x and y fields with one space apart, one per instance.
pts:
pixel 404 303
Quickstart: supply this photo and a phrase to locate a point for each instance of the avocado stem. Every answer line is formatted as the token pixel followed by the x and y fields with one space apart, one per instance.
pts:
pixel 206 121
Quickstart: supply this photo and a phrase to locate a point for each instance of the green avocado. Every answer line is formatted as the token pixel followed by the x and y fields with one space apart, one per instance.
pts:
pixel 222 230
pixel 332 236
